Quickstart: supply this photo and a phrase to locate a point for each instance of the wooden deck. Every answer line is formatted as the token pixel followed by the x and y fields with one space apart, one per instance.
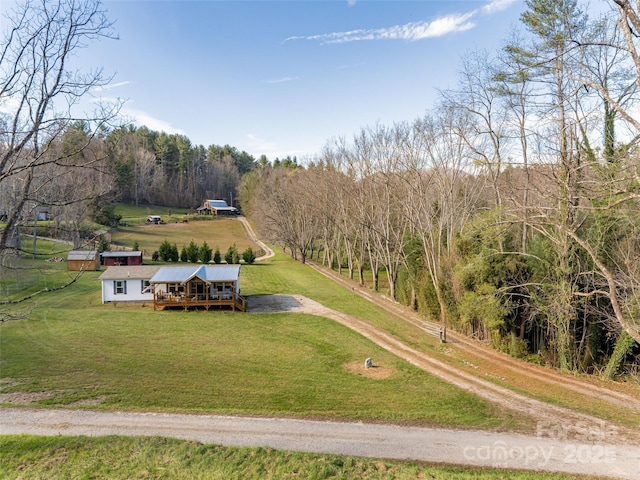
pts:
pixel 235 302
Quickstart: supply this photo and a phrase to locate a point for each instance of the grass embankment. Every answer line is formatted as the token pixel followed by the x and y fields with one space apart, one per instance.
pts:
pixel 142 458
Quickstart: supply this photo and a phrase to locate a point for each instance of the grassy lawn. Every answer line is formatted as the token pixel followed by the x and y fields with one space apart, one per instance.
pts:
pixel 73 351
pixel 131 357
pixel 27 275
pixel 217 232
pixel 282 276
pixel 135 215
pixel 142 458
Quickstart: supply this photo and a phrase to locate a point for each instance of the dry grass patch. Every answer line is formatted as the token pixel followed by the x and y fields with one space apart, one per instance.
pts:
pixel 24 398
pixel 376 371
pixel 218 232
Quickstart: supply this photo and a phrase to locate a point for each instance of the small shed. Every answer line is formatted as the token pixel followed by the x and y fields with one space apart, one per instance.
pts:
pixel 43 213
pixel 121 258
pixel 83 260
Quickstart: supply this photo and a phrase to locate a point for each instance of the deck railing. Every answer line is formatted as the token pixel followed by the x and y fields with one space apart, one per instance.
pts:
pixel 236 302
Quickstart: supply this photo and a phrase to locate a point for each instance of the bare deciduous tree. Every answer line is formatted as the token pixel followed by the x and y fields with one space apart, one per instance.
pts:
pixel 39 92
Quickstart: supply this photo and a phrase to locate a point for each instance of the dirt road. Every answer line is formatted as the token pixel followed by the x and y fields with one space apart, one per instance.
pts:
pixel 520 367
pixel 541 453
pixel 268 253
pixel 565 441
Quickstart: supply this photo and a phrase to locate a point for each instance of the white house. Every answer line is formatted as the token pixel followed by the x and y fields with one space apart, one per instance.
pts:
pixel 186 287
pixel 198 286
pixel 128 283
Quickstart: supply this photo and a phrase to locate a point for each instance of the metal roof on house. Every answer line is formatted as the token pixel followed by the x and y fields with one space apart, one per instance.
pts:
pixel 141 272
pixel 82 255
pixel 122 254
pixel 218 203
pixel 207 273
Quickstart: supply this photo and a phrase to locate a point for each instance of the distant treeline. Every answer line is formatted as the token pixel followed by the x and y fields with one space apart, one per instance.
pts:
pixel 163 169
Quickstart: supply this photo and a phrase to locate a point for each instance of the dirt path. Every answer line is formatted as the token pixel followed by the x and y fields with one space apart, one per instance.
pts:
pixel 540 411
pixel 485 389
pixel 268 253
pixel 520 367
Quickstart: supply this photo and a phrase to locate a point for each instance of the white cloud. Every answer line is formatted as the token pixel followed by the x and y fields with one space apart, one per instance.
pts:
pixel 111 86
pixel 410 31
pixel 497 6
pixel 413 31
pixel 142 118
pixel 282 80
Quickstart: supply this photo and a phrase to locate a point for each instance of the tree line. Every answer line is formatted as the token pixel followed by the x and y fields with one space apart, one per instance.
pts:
pixel 195 253
pixel 509 211
pixel 167 169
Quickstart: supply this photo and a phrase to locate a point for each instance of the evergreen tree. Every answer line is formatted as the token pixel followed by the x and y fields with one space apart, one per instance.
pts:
pixel 232 257
pixel 103 244
pixel 174 253
pixel 205 253
pixel 248 256
pixel 164 252
pixel 193 252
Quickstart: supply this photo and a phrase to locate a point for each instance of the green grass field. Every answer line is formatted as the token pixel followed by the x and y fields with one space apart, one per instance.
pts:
pixel 24 276
pixel 136 215
pixel 268 364
pixel 217 232
pixel 75 352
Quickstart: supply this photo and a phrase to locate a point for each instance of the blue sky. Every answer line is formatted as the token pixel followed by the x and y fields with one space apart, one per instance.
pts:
pixel 284 77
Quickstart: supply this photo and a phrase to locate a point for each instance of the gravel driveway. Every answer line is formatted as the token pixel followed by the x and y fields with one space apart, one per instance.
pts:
pixel 544 452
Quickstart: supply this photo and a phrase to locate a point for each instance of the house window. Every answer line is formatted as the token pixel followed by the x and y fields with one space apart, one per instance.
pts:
pixel 144 284
pixel 120 287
